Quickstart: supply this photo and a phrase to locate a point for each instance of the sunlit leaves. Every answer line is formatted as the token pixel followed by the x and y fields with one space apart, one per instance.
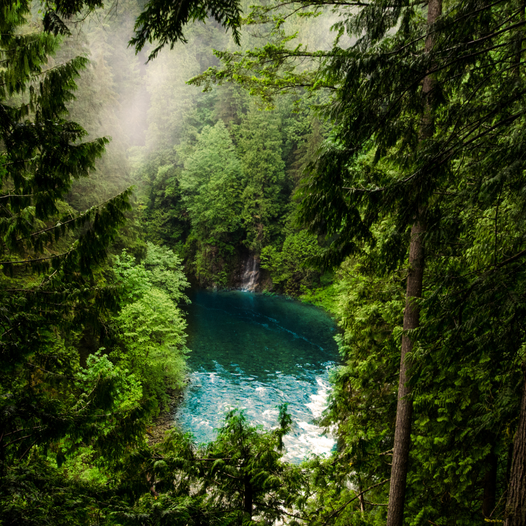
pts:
pixel 151 325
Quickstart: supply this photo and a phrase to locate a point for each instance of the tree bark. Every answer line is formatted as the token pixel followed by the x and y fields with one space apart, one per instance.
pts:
pixel 404 409
pixel 520 36
pixel 361 497
pixel 516 504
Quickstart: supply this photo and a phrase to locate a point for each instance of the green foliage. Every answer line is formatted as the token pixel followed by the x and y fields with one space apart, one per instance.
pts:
pixel 211 184
pixel 245 469
pixel 211 189
pixel 264 194
pixel 150 324
pixel 165 216
pixel 283 56
pixel 49 253
pixel 153 337
pixel 38 494
pixel 54 400
pixel 165 272
pixel 160 268
pixel 324 297
pixel 237 479
pixel 134 279
pixel 289 268
pixel 161 21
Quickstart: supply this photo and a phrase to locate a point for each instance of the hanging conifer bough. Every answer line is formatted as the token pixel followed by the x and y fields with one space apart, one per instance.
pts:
pixel 163 21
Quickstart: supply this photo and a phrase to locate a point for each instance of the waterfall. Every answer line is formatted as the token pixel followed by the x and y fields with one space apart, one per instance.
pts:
pixel 250 277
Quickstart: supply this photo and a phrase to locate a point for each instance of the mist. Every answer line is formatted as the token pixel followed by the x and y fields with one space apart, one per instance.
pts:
pixel 146 107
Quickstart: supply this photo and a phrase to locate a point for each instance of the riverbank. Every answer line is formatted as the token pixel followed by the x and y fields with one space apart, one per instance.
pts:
pixel 241 320
pixel 166 419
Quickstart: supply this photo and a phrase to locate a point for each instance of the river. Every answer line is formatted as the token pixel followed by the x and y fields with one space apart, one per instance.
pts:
pixel 255 352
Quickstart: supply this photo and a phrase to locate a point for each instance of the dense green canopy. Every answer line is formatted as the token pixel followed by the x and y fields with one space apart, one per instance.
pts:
pixel 400 133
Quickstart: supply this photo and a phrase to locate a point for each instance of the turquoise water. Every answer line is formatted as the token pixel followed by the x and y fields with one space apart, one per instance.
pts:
pixel 255 352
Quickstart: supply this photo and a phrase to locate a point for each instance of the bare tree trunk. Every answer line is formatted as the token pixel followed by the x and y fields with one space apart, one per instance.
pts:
pixel 361 498
pixel 516 503
pixel 404 408
pixel 520 36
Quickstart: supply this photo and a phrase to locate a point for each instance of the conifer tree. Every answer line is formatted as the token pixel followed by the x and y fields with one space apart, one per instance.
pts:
pixel 211 185
pixel 264 193
pixel 49 257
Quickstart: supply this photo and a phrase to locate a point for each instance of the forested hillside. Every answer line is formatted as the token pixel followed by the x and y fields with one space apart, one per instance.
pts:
pixel 217 172
pixel 368 157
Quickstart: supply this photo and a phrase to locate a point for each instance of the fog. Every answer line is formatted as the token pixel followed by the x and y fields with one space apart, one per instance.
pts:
pixel 145 106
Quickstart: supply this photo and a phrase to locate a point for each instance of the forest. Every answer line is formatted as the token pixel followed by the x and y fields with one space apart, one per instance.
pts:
pixel 366 156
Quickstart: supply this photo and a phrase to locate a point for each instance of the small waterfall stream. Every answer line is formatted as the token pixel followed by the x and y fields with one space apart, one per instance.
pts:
pixel 250 274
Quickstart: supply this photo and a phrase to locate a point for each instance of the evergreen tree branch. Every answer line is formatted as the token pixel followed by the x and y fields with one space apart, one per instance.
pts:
pixel 341 508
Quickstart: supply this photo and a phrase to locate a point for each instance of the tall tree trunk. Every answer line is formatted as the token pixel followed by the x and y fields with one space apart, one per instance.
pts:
pixel 516 503
pixel 520 36
pixel 404 409
pixel 361 498
pixel 515 512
